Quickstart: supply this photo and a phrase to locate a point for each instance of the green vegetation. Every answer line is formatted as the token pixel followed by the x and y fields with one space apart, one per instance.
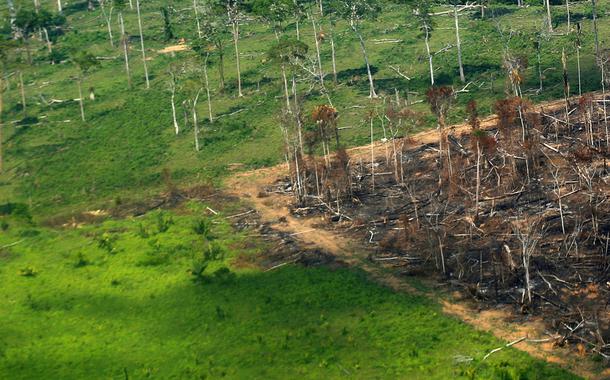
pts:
pixel 57 163
pixel 167 295
pixel 162 296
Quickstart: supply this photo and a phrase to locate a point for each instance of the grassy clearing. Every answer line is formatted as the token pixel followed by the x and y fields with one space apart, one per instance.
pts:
pixel 58 164
pixel 119 297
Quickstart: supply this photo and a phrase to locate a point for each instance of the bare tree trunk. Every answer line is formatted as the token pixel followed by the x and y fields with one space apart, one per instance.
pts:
pixel 22 91
pixel 548 15
pixel 176 126
pixel 142 44
pixel 540 86
pixel 125 43
pixel 568 13
pixel 372 93
pixel 478 191
pixel 286 93
pixel 578 68
pixel 221 68
pixel 80 98
pixel 315 36
pixel 195 122
pixel 60 8
pixel 427 41
pixel 235 26
pixel 207 88
pixel 595 34
pixel 458 43
pixel 108 18
pixel 298 29
pixel 196 11
pixel 48 41
pixel 333 54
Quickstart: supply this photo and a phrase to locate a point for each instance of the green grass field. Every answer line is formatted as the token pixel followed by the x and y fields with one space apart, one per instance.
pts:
pixel 73 307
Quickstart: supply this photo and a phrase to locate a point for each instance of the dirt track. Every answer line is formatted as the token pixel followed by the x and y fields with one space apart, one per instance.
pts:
pixel 313 232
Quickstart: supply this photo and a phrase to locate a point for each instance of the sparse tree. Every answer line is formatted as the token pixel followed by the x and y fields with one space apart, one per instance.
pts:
pixel 355 11
pixel 204 50
pixel 458 40
pixel 85 61
pixel 285 53
pixel 173 72
pixel 120 6
pixel 214 27
pixel 27 22
pixel 142 44
pixel 422 9
pixel 107 14
pixel 234 14
pixel 528 232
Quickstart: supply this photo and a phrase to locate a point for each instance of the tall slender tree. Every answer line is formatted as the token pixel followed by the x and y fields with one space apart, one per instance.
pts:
pixel 421 10
pixel 355 11
pixel 107 7
pixel 235 13
pixel 142 44
pixel 120 6
pixel 214 28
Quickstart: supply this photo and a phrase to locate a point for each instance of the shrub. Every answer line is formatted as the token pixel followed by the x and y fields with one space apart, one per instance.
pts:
pixel 203 227
pixel 163 222
pixel 28 272
pixel 81 261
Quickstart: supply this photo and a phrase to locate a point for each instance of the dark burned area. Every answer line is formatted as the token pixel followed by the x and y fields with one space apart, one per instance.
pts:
pixel 531 163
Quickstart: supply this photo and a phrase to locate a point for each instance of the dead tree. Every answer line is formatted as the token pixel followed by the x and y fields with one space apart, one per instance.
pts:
pixel 528 232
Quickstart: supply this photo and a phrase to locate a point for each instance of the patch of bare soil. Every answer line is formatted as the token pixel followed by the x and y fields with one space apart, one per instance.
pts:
pixel 173 49
pixel 392 229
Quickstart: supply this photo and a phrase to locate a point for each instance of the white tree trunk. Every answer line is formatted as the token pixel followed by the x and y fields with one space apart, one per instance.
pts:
pixel 315 36
pixel 548 15
pixel 196 11
pixel 431 67
pixel 108 18
pixel 80 98
pixel 568 13
pixel 195 122
pixel 207 89
pixel 286 93
pixel 47 40
pixel 578 68
pixel 478 191
pixel 125 43
pixel 459 43
pixel 235 26
pixel 333 55
pixel 175 119
pixel 142 45
pixel 372 93
pixel 60 8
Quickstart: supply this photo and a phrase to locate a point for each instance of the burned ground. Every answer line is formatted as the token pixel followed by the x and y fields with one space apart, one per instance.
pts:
pixel 514 212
